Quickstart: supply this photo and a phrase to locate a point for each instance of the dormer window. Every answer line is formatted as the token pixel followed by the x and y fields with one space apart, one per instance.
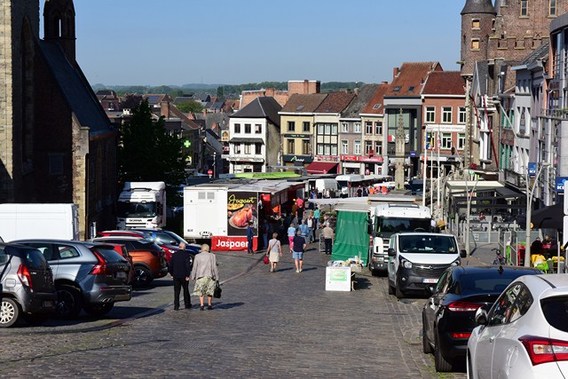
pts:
pixel 397 89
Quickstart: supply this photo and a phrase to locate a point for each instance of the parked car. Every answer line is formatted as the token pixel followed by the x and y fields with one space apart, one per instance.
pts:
pixel 27 284
pixel 417 260
pixel 168 241
pixel 148 258
pixel 122 250
pixel 525 334
pixel 87 275
pixel 448 315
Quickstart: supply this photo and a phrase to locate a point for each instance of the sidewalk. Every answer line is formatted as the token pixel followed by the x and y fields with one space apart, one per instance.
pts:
pixel 483 255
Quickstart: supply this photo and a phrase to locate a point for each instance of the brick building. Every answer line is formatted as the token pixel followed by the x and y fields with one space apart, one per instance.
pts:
pixel 56 145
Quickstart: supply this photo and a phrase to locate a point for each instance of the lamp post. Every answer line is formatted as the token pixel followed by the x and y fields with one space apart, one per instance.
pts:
pixel 530 193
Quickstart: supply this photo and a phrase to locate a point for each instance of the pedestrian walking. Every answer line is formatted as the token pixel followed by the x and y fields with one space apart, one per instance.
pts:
pixel 316 219
pixel 310 223
pixel 305 230
pixel 266 232
pixel 205 274
pixel 327 234
pixel 300 209
pixel 274 251
pixel 291 234
pixel 299 246
pixel 250 237
pixel 180 270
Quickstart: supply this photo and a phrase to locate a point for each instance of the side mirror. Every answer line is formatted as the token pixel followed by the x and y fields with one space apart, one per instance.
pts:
pixel 481 316
pixel 430 290
pixel 391 252
pixel 463 253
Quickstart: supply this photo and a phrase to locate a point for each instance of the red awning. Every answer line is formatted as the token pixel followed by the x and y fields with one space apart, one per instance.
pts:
pixel 321 167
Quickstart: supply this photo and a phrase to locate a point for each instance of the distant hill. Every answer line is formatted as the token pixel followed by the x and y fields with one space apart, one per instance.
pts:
pixel 225 90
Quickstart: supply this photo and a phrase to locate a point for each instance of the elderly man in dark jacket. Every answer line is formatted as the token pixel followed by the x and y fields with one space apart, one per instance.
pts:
pixel 180 270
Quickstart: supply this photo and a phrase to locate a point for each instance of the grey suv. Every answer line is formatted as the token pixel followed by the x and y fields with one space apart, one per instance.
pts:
pixel 92 276
pixel 26 283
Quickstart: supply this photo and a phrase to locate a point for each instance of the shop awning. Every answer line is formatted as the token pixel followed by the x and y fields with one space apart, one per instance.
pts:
pixel 321 167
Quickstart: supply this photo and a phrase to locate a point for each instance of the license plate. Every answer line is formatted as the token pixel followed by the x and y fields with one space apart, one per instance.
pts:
pixel 121 275
pixel 48 304
pixel 430 281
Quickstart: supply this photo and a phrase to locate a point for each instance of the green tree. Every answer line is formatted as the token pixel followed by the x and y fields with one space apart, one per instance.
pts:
pixel 191 106
pixel 147 152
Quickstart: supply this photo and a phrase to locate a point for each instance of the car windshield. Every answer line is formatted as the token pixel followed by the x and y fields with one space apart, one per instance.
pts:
pixel 389 225
pixel 3 256
pixel 136 209
pixel 427 244
pixel 555 311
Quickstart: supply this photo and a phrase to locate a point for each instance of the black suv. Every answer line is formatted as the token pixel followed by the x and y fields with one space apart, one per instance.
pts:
pixel 27 284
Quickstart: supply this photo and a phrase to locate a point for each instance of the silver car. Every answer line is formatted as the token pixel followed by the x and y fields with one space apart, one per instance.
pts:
pixel 89 276
pixel 26 284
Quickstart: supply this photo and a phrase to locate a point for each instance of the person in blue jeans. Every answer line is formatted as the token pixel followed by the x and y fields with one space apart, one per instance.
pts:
pixel 298 247
pixel 250 235
pixel 305 231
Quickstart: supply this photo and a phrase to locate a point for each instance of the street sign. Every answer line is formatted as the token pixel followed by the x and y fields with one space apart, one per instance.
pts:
pixel 560 185
pixel 532 168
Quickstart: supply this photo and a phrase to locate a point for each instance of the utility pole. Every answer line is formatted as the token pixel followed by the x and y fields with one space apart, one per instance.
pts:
pixel 468 126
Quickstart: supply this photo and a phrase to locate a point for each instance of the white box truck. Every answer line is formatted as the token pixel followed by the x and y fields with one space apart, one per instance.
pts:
pixel 142 205
pixel 45 220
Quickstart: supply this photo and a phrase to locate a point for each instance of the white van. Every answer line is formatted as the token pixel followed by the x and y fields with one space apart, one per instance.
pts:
pixel 326 187
pixel 417 260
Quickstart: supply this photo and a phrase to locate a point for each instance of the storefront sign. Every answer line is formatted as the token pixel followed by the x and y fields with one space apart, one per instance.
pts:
pixel 297 158
pixel 327 158
pixel 219 243
pixel 361 158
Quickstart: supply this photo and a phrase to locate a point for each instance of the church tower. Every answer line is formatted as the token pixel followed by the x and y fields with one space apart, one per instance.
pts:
pixel 477 25
pixel 59 25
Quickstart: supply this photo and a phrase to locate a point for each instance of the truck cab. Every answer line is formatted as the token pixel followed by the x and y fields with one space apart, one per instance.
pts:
pixel 391 218
pixel 142 205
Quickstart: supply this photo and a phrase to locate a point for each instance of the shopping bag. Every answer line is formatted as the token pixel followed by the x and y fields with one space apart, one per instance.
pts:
pixel 217 291
pixel 266 260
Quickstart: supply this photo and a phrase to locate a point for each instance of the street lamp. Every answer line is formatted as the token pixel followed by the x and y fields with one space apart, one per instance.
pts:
pixel 530 193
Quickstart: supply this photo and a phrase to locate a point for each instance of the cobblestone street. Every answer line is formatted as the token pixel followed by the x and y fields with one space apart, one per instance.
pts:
pixel 281 324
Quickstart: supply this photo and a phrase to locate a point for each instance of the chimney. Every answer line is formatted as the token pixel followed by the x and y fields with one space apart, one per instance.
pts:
pixel 165 109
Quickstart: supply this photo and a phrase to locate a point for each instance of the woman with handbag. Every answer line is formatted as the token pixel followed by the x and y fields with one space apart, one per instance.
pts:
pixel 274 251
pixel 205 274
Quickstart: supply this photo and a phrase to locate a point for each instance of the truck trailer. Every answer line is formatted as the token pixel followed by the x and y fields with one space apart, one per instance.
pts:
pixel 39 220
pixel 221 211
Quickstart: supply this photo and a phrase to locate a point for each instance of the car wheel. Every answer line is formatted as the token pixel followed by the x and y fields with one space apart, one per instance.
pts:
pixel 398 292
pixel 391 289
pixel 98 309
pixel 426 348
pixel 142 276
pixel 9 312
pixel 68 302
pixel 442 365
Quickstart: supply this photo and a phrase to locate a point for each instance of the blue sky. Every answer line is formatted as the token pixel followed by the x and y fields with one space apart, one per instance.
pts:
pixel 174 42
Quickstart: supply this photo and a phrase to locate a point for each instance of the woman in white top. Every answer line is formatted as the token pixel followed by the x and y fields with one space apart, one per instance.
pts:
pixel 274 251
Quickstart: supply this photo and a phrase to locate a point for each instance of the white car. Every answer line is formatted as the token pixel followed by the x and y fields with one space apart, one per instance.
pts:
pixel 525 333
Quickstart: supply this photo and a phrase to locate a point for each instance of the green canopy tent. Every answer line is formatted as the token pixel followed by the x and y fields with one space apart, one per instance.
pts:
pixel 351 234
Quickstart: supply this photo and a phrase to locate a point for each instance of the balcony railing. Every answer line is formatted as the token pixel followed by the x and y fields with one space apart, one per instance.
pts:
pixel 556 113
